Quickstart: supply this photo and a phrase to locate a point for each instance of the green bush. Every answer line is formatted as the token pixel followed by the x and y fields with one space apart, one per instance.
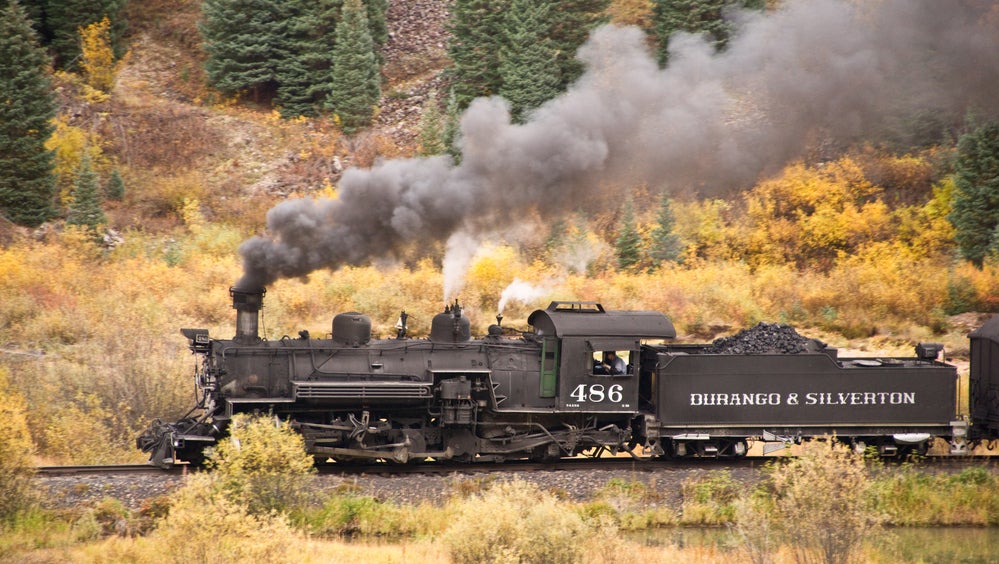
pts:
pixel 262 465
pixel 912 498
pixel 709 499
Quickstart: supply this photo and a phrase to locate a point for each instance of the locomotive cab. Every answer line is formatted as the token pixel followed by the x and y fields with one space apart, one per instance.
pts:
pixel 590 355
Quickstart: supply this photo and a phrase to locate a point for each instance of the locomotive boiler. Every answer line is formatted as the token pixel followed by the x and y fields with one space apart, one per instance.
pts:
pixel 552 391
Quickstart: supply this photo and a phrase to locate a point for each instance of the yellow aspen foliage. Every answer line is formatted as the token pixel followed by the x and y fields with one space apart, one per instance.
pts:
pixel 190 213
pixel 492 270
pixel 16 451
pixel 79 434
pixel 70 143
pixel 631 12
pixel 99 67
pixel 203 526
pixel 810 215
pixel 703 228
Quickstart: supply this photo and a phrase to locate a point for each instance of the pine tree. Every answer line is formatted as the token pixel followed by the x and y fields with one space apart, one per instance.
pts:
pixel 27 184
pixel 665 245
pixel 695 16
pixel 628 246
pixel 476 38
pixel 356 78
pixel 305 79
pixel 431 134
pixel 247 43
pixel 571 24
pixel 64 18
pixel 377 24
pixel 85 211
pixel 452 127
pixel 975 211
pixel 528 66
pixel 115 189
pixel 306 76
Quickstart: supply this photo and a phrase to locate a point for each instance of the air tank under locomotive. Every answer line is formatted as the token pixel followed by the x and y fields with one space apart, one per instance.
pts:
pixel 556 391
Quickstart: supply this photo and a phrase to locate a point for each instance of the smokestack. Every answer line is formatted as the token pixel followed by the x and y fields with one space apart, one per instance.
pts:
pixel 247 303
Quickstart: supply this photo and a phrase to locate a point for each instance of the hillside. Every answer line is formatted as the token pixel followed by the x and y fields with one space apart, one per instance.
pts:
pixel 175 139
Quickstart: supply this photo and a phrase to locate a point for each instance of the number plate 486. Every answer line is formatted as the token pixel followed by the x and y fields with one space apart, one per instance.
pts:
pixel 597 393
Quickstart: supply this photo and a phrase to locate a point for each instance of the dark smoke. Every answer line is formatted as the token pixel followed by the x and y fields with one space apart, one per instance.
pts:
pixel 832 69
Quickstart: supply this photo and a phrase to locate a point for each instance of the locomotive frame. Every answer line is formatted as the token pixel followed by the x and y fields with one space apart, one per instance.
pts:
pixel 545 394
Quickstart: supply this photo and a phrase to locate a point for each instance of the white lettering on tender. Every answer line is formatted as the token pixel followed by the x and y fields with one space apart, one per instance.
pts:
pixel 716 399
pixel 860 398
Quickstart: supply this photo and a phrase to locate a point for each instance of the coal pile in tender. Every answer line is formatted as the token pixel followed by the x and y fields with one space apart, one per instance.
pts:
pixel 765 338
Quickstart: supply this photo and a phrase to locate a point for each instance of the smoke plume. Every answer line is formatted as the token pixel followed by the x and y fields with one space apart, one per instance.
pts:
pixel 523 292
pixel 829 69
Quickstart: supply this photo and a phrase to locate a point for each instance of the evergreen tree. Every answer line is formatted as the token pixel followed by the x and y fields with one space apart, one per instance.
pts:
pixel 476 37
pixel 27 184
pixel 628 246
pixel 64 18
pixel 305 79
pixel 665 245
pixel 356 78
pixel 452 127
pixel 571 24
pixel 528 66
pixel 431 134
pixel 247 42
pixel 85 211
pixel 557 234
pixel 306 76
pixel 377 24
pixel 115 189
pixel 975 212
pixel 695 16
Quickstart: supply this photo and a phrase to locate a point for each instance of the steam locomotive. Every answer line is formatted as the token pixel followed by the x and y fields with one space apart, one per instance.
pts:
pixel 548 392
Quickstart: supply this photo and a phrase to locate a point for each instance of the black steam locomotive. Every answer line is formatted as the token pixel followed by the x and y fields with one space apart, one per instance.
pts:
pixel 585 380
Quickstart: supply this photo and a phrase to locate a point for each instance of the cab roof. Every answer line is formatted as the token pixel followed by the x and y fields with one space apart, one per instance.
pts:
pixel 990 330
pixel 590 319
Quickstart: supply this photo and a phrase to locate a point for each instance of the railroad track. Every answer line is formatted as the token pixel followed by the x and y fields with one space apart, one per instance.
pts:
pixel 110 470
pixel 443 468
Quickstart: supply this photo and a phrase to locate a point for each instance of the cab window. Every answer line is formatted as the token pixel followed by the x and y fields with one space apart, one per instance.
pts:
pixel 610 363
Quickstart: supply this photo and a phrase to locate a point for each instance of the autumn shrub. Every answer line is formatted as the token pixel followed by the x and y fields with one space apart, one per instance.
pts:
pixel 165 138
pixel 167 193
pixel 204 526
pixel 75 432
pixel 262 465
pixel 17 486
pixel 709 499
pixel 356 515
pixel 822 504
pixel 628 505
pixel 756 528
pixel 514 522
pixel 96 334
pixel 910 497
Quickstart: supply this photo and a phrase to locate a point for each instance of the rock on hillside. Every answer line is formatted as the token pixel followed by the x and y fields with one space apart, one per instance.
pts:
pixel 415 54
